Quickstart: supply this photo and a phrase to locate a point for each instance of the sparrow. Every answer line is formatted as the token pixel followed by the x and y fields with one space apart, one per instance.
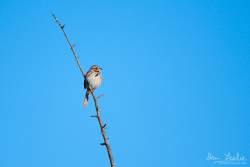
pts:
pixel 93 79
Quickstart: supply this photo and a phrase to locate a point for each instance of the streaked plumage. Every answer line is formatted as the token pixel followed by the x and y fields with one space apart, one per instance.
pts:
pixel 93 81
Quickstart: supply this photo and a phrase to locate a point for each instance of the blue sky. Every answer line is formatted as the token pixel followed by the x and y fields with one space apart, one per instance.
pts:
pixel 176 82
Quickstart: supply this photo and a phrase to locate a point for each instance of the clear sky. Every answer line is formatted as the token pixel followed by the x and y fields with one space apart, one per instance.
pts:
pixel 176 82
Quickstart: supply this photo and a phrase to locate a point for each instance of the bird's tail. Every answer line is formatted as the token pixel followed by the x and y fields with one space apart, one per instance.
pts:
pixel 86 99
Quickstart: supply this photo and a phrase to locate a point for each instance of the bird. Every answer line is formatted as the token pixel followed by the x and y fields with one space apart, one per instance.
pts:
pixel 93 79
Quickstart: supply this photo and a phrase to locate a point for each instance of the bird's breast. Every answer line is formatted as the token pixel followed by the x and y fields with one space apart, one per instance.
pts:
pixel 95 80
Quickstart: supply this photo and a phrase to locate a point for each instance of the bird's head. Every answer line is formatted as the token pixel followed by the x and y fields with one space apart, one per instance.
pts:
pixel 96 68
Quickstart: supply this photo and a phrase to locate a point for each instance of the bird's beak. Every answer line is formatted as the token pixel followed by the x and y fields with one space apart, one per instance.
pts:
pixel 100 68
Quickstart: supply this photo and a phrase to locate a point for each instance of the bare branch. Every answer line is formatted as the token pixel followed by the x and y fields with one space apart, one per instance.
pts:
pixel 103 131
pixel 61 25
pixel 98 114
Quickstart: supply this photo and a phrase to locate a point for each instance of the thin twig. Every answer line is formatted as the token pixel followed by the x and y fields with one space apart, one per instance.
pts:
pixel 98 114
pixel 70 45
pixel 98 97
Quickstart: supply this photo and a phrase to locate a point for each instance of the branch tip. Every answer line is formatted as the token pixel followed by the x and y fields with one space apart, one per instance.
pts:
pixel 62 26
